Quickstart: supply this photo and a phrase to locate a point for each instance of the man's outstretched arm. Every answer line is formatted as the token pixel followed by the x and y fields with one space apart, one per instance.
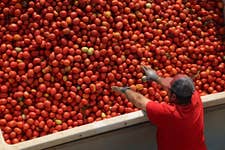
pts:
pixel 137 99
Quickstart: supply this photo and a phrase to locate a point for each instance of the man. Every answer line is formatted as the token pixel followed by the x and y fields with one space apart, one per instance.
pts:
pixel 179 124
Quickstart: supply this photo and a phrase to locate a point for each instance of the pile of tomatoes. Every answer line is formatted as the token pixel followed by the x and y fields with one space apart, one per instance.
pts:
pixel 59 58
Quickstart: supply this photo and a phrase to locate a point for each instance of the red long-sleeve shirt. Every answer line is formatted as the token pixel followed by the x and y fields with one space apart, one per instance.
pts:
pixel 178 127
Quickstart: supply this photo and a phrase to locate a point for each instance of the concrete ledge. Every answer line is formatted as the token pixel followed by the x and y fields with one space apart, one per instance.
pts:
pixel 97 128
pixel 213 99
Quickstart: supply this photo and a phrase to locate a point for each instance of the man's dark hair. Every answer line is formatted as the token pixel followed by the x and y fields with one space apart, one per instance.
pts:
pixel 182 100
pixel 183 88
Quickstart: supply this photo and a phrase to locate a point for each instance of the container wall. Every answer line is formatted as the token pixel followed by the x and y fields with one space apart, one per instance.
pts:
pixel 215 127
pixel 142 136
pixel 129 131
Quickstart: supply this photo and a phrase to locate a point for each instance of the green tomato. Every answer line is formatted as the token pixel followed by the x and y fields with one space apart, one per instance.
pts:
pixel 18 49
pixel 90 51
pixel 84 49
pixel 58 122
pixel 148 5
pixel 103 115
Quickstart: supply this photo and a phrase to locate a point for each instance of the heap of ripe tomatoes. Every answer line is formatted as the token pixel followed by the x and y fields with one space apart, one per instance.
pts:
pixel 59 58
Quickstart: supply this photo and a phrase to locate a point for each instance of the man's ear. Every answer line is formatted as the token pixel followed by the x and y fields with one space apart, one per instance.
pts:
pixel 173 97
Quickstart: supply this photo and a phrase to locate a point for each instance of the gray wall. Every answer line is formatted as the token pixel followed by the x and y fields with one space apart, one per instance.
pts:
pixel 142 136
pixel 215 128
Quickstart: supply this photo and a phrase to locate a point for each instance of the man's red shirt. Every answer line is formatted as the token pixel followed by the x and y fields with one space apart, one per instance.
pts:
pixel 178 127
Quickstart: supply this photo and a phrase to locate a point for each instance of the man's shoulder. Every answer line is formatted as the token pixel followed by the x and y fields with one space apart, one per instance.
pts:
pixel 196 96
pixel 196 100
pixel 163 106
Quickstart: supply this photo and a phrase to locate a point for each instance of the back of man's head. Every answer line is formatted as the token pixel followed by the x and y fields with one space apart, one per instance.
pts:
pixel 183 87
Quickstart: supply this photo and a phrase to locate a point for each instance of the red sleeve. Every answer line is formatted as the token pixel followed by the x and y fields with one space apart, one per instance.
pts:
pixel 159 113
pixel 196 98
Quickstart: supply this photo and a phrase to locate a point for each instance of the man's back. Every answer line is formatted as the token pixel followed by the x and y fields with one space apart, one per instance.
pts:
pixel 180 127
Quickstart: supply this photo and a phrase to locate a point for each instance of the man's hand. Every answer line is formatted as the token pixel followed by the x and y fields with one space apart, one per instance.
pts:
pixel 150 74
pixel 120 89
